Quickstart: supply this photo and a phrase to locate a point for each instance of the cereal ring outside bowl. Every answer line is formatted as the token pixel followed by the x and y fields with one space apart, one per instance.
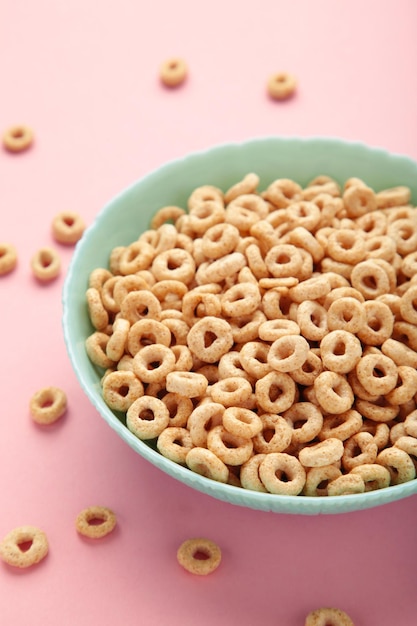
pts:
pixel 299 159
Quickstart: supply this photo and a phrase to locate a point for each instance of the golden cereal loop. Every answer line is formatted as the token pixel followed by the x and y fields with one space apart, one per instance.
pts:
pixel 153 363
pixel 378 325
pixel 206 463
pixel 120 389
pixel 231 391
pixel 140 305
pixel 116 344
pixel 306 421
pixel 275 435
pixel 311 289
pixel 281 192
pixel 199 556
pixel 253 358
pixel 281 85
pixel 403 231
pixel 47 405
pixel 242 422
pixel 360 449
pixel 406 387
pixel 284 260
pixel 247 185
pixel 271 330
pixel 249 474
pixel 95 522
pixel 166 214
pixel 179 407
pixel 174 264
pixel 144 332
pixel 147 417
pixel 410 424
pixel 399 353
pixel 275 392
pixel 288 353
pixel 173 72
pixel 326 452
pixel 210 338
pixel 24 546
pixel 67 227
pixel 396 196
pixel 328 616
pixel 8 258
pixel 373 475
pixel 98 315
pixel 18 138
pixel 308 372
pixel 398 463
pixel 95 346
pixel 219 240
pixel 318 479
pixel 202 419
pixel 341 426
pixel 370 279
pixel 359 200
pixel 341 351
pixel 333 392
pixel 188 384
pixel 377 373
pixel 174 443
pixel 346 246
pixel 245 328
pixel 312 319
pixel 345 485
pixel 229 448
pixel 282 474
pixel 241 299
pixel 346 314
pixel 46 264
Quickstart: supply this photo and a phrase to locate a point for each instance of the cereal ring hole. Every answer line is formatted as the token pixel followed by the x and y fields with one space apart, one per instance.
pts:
pixel 25 545
pixel 45 258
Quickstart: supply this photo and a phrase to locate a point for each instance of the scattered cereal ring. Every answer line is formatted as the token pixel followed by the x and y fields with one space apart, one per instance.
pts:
pixel 67 227
pixel 281 85
pixel 173 72
pixel 46 264
pixel 327 616
pixel 95 522
pixel 48 405
pixel 24 546
pixel 8 258
pixel 199 556
pixel 18 138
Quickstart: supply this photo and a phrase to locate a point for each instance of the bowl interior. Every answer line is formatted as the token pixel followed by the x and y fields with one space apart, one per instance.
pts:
pixel 125 217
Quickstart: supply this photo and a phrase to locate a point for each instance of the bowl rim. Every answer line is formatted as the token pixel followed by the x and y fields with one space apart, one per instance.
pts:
pixel 308 505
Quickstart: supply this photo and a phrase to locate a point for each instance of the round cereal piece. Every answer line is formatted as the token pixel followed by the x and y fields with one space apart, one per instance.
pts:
pixel 346 314
pixel 308 372
pixel 281 192
pixel 373 475
pixel 136 257
pixel 283 260
pixel 175 264
pixel 147 417
pixel 241 299
pixel 8 258
pixel 174 443
pixel 247 185
pixel 197 304
pixel 399 353
pixel 360 449
pixel 188 384
pixel 231 390
pixel 153 363
pixel 275 435
pixel 271 330
pixel 173 72
pixel 202 419
pixel 166 214
pixel 306 421
pixel 199 556
pixel 340 351
pixel 281 85
pixel 318 479
pixel 408 305
pixel 179 407
pixel 98 314
pixel 282 474
pixel 410 424
pixel 313 288
pixel 288 353
pixel 398 463
pixel 245 328
pixel 345 485
pixel 253 357
pixel 378 411
pixel 120 389
pixel 46 264
pixel 204 216
pixel 403 231
pixel 377 373
pixel 118 340
pixel 140 304
pixel 406 387
pixel 220 269
pixel 67 227
pixel 229 448
pixel 333 392
pixel 48 404
pixel 18 138
pixel 242 422
pixel 358 200
pixel 95 346
pixel 203 194
pixel 312 320
pixel 326 452
pixel 204 462
pixel 346 246
pixel 24 546
pixel 370 279
pixel 249 474
pixel 328 616
pixel 210 338
pixel 275 392
pixel 220 240
pixel 95 522
pixel 341 426
pixel 378 325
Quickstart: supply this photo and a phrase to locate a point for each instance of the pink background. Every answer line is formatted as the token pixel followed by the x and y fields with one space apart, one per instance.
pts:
pixel 84 76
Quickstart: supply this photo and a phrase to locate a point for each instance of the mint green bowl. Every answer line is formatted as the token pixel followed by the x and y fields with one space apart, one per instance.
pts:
pixel 122 220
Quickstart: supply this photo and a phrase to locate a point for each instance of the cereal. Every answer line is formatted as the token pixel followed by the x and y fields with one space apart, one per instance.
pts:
pixel 281 85
pixel 8 258
pixel 17 138
pixel 67 227
pixel 46 264
pixel 95 522
pixel 327 616
pixel 173 72
pixel 47 405
pixel 24 546
pixel 268 339
pixel 199 556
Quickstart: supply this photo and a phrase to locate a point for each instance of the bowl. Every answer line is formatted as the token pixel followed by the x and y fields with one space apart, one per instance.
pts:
pixel 129 214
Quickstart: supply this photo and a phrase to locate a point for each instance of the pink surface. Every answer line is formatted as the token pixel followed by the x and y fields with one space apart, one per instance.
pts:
pixel 84 76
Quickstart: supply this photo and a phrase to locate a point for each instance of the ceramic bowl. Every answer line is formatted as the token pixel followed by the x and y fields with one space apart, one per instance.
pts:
pixel 128 214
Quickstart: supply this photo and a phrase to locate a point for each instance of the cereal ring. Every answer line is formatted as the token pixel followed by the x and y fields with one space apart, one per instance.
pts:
pixel 116 344
pixel 333 392
pixel 220 240
pixel 173 72
pixel 275 435
pixel 197 304
pixel 346 314
pixel 121 389
pixel 199 556
pixel 253 357
pixel 178 329
pixel 202 419
pixel 370 279
pixel 310 289
pixel 281 85
pixel 229 448
pixel 220 269
pixel 166 214
pixel 245 328
pixel 275 392
pixel 282 192
pixel 328 616
pixel 282 474
pixel 249 474
pixel 95 522
pixel 312 320
pixel 179 407
pixel 8 258
pixel 188 384
pixel 247 185
pixel 274 329
pixel 145 332
pixel 210 338
pixel 318 479
pixel 140 304
pixel 381 247
pixel 403 231
pixel 230 391
pixel 256 262
pixel 288 353
pixel 175 443
pixel 373 475
pixel 47 405
pixel 340 351
pixel 308 372
pixel 153 363
pixel 67 227
pixel 241 299
pixel 231 366
pixel 147 417
pixel 206 463
pixel 406 387
pixel 378 411
pixel 97 313
pixel 174 264
pixel 17 138
pixel 377 373
pixel 360 449
pixel 358 200
pixel 398 463
pixel 13 546
pixel 378 325
pixel 346 246
pixel 326 452
pixel 345 485
pixel 399 353
pixel 306 421
pixel 341 426
pixel 95 346
pixel 46 264
pixel 283 260
pixel 410 424
pixel 204 216
pixel 242 422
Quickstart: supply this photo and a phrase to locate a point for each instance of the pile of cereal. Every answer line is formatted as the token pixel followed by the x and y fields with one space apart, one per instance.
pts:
pixel 269 339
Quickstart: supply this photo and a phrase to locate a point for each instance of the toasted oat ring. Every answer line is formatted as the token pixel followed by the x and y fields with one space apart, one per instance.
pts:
pixel 175 264
pixel 18 138
pixel 199 556
pixel 399 353
pixel 95 346
pixel 346 314
pixel 398 463
pixel 360 449
pixel 46 264
pixel 174 443
pixel 11 547
pixel 253 357
pixel 245 328
pixel 219 240
pixel 247 185
pixel 204 216
pixel 333 392
pixel 311 289
pixel 308 372
pixel 8 258
pixel 206 463
pixel 327 616
pixel 281 431
pixel 318 478
pixel 358 200
pixel 231 390
pixel 305 419
pixel 98 314
pixel 202 419
pixel 288 353
pixel 144 332
pixel 410 424
pixel 47 405
pixel 249 474
pixel 403 231
pixel 278 465
pixel 271 330
pixel 340 351
pixel 283 260
pixel 408 305
pixel 346 246
pixel 242 422
pixel 220 269
pixel 138 413
pixel 281 85
pixel 173 72
pixel 116 344
pixel 241 299
pixel 407 389
pixel 373 475
pixel 275 392
pixel 179 407
pixel 377 373
pixel 345 485
pixel 197 304
pixel 229 448
pixel 378 325
pixel 326 452
pixel 120 389
pixel 312 320
pixel 140 304
pixel 370 279
pixel 67 227
pixel 214 330
pixel 188 384
pixel 282 191
pixel 378 411
pixel 153 363
pixel 341 426
pixel 166 214
pixel 95 522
